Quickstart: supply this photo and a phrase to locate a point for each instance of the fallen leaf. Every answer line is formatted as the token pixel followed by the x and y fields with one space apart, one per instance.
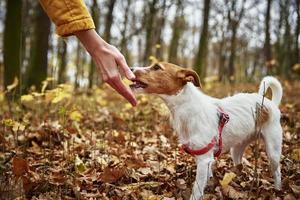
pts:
pixel 60 97
pixel 145 170
pixel 19 166
pixel 135 163
pixel 111 175
pixel 295 155
pixel 13 85
pixel 295 188
pixel 2 96
pixel 134 186
pixel 75 116
pixel 153 59
pixel 8 122
pixel 148 195
pixel 79 165
pixel 57 178
pixel 45 83
pixel 230 192
pixel 289 197
pixel 296 67
pixel 28 101
pixel 227 178
pixel 2 139
pixel 18 127
pixel 163 139
pixel 181 184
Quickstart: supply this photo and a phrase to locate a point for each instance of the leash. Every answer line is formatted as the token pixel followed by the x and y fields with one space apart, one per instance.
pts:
pixel 223 119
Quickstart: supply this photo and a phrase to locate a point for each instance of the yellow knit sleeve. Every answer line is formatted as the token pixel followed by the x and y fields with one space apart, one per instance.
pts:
pixel 69 16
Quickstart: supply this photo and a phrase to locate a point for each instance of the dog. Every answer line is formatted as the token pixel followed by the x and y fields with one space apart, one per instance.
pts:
pixel 207 126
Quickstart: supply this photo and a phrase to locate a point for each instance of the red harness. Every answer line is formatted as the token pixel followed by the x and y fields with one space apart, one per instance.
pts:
pixel 223 119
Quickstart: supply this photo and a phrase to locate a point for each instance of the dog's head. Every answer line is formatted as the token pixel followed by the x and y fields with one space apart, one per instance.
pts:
pixel 163 78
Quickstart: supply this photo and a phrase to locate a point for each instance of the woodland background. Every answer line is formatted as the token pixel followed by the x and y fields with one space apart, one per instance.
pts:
pixel 65 135
pixel 234 40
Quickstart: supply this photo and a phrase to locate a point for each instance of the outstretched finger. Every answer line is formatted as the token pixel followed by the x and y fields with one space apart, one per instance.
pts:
pixel 119 86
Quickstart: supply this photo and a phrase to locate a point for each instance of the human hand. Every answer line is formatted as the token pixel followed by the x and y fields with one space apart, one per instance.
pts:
pixel 109 61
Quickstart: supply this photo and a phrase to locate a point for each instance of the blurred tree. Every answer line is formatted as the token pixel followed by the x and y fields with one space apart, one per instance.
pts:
pixel 267 45
pixel 12 41
pixel 284 43
pixel 95 12
pixel 161 19
pixel 200 60
pixel 38 63
pixel 177 30
pixel 109 20
pixel 297 33
pixel 231 24
pixel 287 40
pixel 62 56
pixel 78 63
pixel 149 20
pixel 234 17
pixel 28 8
pixel 124 38
pixel 222 56
pixel 278 43
pixel 284 40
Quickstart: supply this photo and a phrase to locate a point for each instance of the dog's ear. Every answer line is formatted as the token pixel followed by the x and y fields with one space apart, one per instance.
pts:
pixel 188 75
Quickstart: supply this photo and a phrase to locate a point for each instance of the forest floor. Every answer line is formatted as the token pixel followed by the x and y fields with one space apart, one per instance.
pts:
pixel 61 144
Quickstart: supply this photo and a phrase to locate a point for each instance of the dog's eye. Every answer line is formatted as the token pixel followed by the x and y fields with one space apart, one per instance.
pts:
pixel 156 67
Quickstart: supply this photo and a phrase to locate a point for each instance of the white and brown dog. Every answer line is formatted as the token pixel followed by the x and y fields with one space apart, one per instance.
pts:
pixel 201 121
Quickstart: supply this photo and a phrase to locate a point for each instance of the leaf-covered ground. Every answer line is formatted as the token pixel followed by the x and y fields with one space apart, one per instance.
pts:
pixel 61 144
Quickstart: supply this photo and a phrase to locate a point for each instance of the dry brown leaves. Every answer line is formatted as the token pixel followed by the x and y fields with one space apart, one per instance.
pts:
pixel 96 146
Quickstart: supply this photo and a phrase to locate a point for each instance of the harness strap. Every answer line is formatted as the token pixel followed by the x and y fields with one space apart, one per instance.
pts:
pixel 201 151
pixel 223 119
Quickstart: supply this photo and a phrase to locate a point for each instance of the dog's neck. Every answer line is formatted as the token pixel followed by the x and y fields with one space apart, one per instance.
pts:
pixel 188 96
pixel 193 113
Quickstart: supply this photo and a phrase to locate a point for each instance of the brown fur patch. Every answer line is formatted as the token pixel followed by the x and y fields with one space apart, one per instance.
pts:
pixel 262 115
pixel 166 79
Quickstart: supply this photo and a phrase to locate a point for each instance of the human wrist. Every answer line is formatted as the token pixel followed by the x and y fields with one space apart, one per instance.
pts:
pixel 91 41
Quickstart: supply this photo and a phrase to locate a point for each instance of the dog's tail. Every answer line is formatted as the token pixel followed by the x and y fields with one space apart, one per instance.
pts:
pixel 274 84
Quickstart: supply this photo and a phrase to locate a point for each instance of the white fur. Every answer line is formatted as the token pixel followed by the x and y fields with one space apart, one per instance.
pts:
pixel 275 85
pixel 195 119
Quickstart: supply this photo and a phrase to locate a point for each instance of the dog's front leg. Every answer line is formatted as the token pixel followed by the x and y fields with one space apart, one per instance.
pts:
pixel 204 172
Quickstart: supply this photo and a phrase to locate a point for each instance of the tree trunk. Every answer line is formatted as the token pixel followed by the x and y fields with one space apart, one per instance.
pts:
pixel 96 17
pixel 233 23
pixel 278 43
pixel 159 29
pixel 200 62
pixel 177 28
pixel 109 20
pixel 62 55
pixel 27 17
pixel 12 41
pixel 123 43
pixel 267 45
pixel 231 69
pixel 149 20
pixel 297 33
pixel 39 49
pixel 221 62
pixel 287 42
pixel 77 64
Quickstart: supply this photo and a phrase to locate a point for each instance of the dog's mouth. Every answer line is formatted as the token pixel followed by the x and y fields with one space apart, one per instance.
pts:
pixel 137 84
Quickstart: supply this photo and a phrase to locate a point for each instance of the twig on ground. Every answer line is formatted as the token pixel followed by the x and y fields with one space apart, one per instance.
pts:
pixel 257 117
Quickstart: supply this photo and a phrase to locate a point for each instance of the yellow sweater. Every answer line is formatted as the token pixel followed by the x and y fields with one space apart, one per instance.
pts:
pixel 69 16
